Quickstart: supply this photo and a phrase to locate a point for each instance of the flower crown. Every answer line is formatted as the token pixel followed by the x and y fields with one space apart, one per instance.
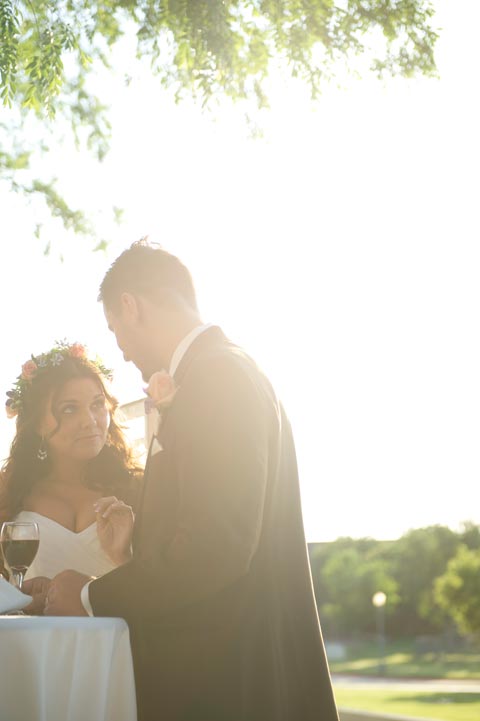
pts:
pixel 37 365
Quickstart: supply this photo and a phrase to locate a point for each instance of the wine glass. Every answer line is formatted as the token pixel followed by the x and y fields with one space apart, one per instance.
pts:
pixel 19 544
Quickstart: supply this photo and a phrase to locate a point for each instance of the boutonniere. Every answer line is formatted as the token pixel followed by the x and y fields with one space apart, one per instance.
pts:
pixel 161 391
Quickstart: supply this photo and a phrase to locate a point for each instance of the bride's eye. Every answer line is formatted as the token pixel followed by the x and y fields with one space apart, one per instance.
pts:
pixel 68 410
pixel 100 404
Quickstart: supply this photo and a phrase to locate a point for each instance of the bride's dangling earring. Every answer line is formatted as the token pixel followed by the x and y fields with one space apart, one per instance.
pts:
pixel 42 453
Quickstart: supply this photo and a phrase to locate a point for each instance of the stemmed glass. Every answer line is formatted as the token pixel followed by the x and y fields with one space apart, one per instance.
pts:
pixel 19 544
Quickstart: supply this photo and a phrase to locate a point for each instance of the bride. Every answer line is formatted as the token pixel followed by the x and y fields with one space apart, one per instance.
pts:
pixel 69 469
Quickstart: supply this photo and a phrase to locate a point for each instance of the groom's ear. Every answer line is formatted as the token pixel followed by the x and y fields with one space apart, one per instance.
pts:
pixel 130 307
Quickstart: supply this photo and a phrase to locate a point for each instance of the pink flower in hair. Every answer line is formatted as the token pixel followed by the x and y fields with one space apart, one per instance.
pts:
pixel 77 350
pixel 29 369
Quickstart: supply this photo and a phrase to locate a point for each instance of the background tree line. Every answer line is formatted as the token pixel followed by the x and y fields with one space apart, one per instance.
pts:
pixel 431 577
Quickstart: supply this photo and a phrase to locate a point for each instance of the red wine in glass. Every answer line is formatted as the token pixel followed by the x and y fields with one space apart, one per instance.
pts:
pixel 19 543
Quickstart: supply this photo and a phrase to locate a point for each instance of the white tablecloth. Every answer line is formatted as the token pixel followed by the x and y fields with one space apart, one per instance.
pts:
pixel 65 669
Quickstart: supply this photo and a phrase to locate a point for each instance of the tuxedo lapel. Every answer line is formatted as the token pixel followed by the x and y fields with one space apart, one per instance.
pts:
pixel 205 342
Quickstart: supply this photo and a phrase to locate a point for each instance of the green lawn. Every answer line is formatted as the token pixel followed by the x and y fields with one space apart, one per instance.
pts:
pixel 438 706
pixel 401 660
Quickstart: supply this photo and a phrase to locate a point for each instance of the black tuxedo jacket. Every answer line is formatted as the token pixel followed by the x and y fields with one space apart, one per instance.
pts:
pixel 218 596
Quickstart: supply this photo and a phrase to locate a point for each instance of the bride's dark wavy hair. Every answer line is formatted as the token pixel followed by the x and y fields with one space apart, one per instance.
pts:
pixel 113 471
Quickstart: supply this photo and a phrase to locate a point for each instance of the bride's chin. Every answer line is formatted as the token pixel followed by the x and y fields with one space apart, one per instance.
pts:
pixel 88 454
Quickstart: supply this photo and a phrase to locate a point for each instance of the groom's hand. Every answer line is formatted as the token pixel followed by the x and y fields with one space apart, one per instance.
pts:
pixel 63 597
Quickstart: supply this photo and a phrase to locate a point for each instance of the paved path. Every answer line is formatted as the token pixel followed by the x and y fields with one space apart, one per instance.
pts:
pixel 408 684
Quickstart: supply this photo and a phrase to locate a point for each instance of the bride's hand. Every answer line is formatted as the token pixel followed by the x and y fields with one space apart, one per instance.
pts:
pixel 38 589
pixel 114 527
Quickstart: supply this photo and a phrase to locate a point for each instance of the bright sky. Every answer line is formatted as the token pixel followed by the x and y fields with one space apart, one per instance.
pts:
pixel 342 251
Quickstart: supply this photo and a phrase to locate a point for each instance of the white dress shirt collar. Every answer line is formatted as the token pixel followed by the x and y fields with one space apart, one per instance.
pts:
pixel 184 345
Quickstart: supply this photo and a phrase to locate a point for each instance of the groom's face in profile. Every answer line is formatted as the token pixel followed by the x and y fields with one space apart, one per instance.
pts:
pixel 136 320
pixel 123 323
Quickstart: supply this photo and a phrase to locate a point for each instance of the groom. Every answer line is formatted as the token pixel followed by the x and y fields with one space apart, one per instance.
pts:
pixel 218 596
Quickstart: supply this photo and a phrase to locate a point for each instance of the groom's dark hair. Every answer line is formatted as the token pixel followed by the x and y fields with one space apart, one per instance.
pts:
pixel 146 269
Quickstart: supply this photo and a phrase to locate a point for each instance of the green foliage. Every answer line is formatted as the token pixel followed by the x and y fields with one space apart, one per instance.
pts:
pixel 49 49
pixel 9 35
pixel 209 46
pixel 72 219
pixel 470 535
pixel 416 559
pixel 457 591
pixel 350 581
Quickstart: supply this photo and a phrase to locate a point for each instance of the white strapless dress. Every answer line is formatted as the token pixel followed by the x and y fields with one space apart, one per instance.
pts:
pixel 61 549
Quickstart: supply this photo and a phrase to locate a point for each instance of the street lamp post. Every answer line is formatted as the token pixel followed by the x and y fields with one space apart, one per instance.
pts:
pixel 379 600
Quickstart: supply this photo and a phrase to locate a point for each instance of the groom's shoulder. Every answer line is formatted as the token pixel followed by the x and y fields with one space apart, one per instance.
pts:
pixel 227 368
pixel 227 358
